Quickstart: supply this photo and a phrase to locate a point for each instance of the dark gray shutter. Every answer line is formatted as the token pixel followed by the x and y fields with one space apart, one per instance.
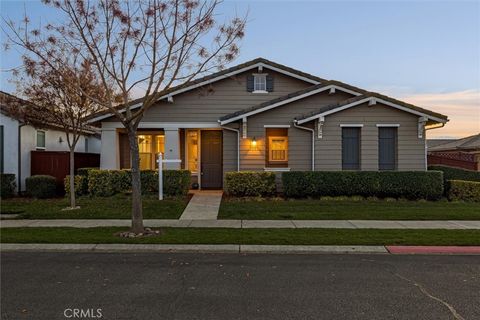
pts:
pixel 269 83
pixel 351 148
pixel 387 148
pixel 250 83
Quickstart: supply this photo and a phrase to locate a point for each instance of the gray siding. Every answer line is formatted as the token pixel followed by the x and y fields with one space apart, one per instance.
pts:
pixel 209 103
pixel 300 146
pixel 328 150
pixel 411 149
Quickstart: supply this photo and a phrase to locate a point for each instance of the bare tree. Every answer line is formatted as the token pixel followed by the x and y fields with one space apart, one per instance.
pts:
pixel 62 97
pixel 140 45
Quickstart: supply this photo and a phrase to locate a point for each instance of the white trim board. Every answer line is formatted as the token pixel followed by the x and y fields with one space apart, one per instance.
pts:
pixel 220 77
pixel 387 125
pixel 286 101
pixel 164 125
pixel 276 126
pixel 368 99
pixel 276 169
pixel 351 125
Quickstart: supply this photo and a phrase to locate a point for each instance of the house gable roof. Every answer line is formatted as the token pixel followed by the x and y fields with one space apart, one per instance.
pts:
pixel 372 97
pixel 467 143
pixel 294 96
pixel 223 74
pixel 28 113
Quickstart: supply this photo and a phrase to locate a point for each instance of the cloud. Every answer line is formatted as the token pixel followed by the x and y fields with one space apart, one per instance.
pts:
pixel 461 107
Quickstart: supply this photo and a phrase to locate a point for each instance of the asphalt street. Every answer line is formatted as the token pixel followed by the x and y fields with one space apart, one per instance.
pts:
pixel 234 286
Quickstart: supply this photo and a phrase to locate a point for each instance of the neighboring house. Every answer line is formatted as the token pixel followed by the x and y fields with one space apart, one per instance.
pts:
pixel 461 153
pixel 21 133
pixel 264 116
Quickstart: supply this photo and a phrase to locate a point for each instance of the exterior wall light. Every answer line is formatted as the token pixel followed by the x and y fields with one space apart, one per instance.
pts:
pixel 253 144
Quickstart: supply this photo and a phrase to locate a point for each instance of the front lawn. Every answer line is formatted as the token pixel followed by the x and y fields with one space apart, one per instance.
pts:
pixel 116 207
pixel 347 209
pixel 248 236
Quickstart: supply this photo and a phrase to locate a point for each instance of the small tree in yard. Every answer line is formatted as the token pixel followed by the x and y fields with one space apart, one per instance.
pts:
pixel 62 96
pixel 141 46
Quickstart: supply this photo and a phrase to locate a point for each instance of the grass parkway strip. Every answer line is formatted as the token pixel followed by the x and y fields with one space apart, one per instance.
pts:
pixel 248 236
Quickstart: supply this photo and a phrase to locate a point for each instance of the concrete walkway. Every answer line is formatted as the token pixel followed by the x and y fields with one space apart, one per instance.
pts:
pixel 250 224
pixel 203 206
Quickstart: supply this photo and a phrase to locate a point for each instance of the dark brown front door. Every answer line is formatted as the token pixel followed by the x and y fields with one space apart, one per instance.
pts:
pixel 211 159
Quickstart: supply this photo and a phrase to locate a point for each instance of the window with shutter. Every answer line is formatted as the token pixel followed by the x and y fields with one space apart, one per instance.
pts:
pixel 351 148
pixel 387 148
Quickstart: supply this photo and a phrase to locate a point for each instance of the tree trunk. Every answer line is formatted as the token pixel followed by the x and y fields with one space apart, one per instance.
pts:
pixel 137 215
pixel 72 178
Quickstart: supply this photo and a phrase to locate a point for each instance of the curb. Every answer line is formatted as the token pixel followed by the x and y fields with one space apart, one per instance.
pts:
pixel 198 248
pixel 453 250
pixel 235 248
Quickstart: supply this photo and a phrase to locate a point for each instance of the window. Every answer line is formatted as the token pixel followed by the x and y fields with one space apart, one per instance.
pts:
pixel 387 148
pixel 351 148
pixel 86 144
pixel 192 151
pixel 149 145
pixel 40 139
pixel 259 83
pixel 277 147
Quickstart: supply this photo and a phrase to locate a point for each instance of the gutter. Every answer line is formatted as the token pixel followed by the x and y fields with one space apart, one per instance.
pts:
pixel 313 140
pixel 238 143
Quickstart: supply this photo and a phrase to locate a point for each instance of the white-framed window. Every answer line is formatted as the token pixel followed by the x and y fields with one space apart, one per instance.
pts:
pixel 40 140
pixel 278 148
pixel 260 82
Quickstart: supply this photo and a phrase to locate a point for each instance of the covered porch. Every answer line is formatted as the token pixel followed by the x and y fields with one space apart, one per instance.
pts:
pixel 199 147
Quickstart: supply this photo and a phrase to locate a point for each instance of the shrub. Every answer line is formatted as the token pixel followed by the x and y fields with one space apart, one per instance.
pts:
pixel 176 182
pixel 450 173
pixel 84 173
pixel 394 184
pixel 463 190
pixel 41 186
pixel 79 185
pixel 105 183
pixel 7 185
pixel 250 184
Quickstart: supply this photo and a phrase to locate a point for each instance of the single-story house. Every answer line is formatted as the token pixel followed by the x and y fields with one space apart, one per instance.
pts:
pixel 264 116
pixel 21 133
pixel 461 153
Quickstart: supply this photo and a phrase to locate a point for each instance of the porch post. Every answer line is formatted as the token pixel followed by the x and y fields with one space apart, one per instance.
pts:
pixel 109 155
pixel 172 147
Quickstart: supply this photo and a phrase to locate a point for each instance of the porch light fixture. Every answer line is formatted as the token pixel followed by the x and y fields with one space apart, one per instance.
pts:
pixel 60 140
pixel 253 145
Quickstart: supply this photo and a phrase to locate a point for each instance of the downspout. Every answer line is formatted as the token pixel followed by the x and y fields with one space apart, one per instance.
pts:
pixel 238 144
pixel 313 140
pixel 425 140
pixel 19 152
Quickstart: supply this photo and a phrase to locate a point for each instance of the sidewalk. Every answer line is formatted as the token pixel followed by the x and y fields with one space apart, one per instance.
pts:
pixel 249 224
pixel 204 205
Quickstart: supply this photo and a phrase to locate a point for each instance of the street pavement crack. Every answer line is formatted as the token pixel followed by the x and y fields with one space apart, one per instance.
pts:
pixel 423 290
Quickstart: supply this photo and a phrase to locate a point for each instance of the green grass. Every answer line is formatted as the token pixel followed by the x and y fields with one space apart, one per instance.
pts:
pixel 347 209
pixel 248 236
pixel 116 207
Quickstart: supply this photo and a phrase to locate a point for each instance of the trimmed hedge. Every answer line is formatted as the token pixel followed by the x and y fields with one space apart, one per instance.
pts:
pixel 80 187
pixel 397 184
pixel 250 184
pixel 105 183
pixel 7 185
pixel 463 190
pixel 450 173
pixel 41 186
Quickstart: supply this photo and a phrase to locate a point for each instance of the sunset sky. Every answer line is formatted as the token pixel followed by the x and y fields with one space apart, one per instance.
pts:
pixel 424 52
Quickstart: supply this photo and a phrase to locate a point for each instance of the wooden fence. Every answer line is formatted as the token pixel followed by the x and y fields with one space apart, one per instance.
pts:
pixel 57 164
pixel 454 159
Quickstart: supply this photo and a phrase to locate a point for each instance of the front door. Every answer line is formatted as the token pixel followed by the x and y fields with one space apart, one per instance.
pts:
pixel 211 159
